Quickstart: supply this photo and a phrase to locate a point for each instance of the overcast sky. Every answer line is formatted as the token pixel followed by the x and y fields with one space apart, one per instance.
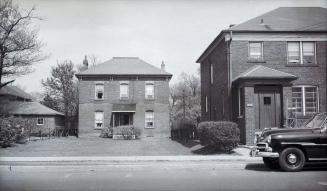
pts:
pixel 176 32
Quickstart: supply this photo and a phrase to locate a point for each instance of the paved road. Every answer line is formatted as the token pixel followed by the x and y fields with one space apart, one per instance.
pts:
pixel 152 176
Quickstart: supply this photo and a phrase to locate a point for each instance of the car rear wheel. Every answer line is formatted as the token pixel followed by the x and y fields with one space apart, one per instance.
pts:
pixel 291 159
pixel 271 162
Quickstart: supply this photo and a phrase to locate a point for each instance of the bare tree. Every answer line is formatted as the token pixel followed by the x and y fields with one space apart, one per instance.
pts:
pixel 19 46
pixel 94 60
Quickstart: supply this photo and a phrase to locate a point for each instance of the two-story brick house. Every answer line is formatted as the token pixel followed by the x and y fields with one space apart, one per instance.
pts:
pixel 269 71
pixel 124 91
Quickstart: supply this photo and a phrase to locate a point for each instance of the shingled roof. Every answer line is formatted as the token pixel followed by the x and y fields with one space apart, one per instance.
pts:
pixel 27 108
pixel 282 19
pixel 263 72
pixel 15 91
pixel 287 19
pixel 124 66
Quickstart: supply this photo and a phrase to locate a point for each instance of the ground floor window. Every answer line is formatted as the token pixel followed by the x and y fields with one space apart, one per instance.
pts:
pixel 40 121
pixel 98 119
pixel 149 119
pixel 305 100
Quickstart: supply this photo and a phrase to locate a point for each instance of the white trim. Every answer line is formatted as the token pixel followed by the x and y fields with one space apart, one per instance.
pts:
pixel 301 53
pixel 95 120
pixel 37 121
pixel 145 125
pixel 303 96
pixel 95 90
pixel 261 53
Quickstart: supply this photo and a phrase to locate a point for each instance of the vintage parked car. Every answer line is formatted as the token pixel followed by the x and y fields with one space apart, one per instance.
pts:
pixel 291 148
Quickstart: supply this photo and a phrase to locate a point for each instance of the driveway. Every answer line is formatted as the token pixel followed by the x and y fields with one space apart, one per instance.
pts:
pixel 95 146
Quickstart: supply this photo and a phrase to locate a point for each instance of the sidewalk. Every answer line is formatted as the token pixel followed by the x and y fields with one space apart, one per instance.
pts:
pixel 102 160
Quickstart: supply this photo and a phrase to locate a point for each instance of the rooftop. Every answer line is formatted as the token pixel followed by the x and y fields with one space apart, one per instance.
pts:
pixel 15 91
pixel 27 108
pixel 287 19
pixel 124 66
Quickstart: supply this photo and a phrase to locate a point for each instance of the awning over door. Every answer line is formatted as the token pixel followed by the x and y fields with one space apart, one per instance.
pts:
pixel 263 73
pixel 124 108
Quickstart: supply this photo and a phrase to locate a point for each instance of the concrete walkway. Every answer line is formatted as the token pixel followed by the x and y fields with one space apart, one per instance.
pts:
pixel 97 160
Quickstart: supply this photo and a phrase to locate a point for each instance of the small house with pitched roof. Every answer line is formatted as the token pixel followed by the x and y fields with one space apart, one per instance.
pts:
pixel 124 91
pixel 270 71
pixel 16 102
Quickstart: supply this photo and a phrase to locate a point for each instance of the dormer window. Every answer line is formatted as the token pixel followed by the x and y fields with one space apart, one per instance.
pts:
pixel 99 91
pixel 149 90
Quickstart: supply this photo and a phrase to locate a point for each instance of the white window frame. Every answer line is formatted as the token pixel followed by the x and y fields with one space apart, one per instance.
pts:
pixel 149 96
pixel 96 90
pixel 249 50
pixel 145 119
pixel 301 53
pixel 121 84
pixel 37 121
pixel 96 121
pixel 304 113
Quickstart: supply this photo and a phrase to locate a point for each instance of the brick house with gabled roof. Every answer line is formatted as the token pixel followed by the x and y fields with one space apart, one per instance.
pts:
pixel 270 71
pixel 124 91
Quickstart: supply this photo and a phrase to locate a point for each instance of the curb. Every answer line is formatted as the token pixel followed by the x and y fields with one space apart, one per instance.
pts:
pixel 118 160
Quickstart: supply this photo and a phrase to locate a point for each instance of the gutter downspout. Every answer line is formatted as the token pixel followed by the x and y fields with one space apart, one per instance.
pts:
pixel 229 74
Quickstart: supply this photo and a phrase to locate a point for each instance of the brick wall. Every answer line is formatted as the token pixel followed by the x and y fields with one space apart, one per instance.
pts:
pixel 160 105
pixel 219 99
pixel 275 56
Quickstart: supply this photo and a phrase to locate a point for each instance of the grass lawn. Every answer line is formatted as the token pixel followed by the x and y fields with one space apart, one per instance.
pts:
pixel 95 146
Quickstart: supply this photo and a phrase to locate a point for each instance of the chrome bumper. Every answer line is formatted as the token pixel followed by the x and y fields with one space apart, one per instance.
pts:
pixel 263 150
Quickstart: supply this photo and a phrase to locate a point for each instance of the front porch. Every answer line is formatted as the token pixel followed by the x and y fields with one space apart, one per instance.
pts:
pixel 262 98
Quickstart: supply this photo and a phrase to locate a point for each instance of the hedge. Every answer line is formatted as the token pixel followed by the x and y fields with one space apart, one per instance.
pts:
pixel 222 135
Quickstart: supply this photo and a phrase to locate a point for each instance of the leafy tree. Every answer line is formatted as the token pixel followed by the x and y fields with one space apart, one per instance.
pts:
pixel 61 91
pixel 185 98
pixel 19 46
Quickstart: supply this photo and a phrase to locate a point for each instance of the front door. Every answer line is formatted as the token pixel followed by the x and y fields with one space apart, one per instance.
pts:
pixel 267 106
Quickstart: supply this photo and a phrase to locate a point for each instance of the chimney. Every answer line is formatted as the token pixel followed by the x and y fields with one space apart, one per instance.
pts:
pixel 261 22
pixel 162 66
pixel 85 63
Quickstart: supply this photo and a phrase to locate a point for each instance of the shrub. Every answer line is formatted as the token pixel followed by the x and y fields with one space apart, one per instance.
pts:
pixel 14 130
pixel 222 135
pixel 106 132
pixel 127 132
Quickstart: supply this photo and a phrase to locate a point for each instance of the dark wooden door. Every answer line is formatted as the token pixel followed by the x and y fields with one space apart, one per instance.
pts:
pixel 267 106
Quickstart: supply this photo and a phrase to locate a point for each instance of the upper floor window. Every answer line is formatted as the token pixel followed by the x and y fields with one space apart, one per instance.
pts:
pixel 124 89
pixel 255 50
pixel 301 52
pixel 98 119
pixel 305 100
pixel 99 91
pixel 149 119
pixel 149 90
pixel 40 121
